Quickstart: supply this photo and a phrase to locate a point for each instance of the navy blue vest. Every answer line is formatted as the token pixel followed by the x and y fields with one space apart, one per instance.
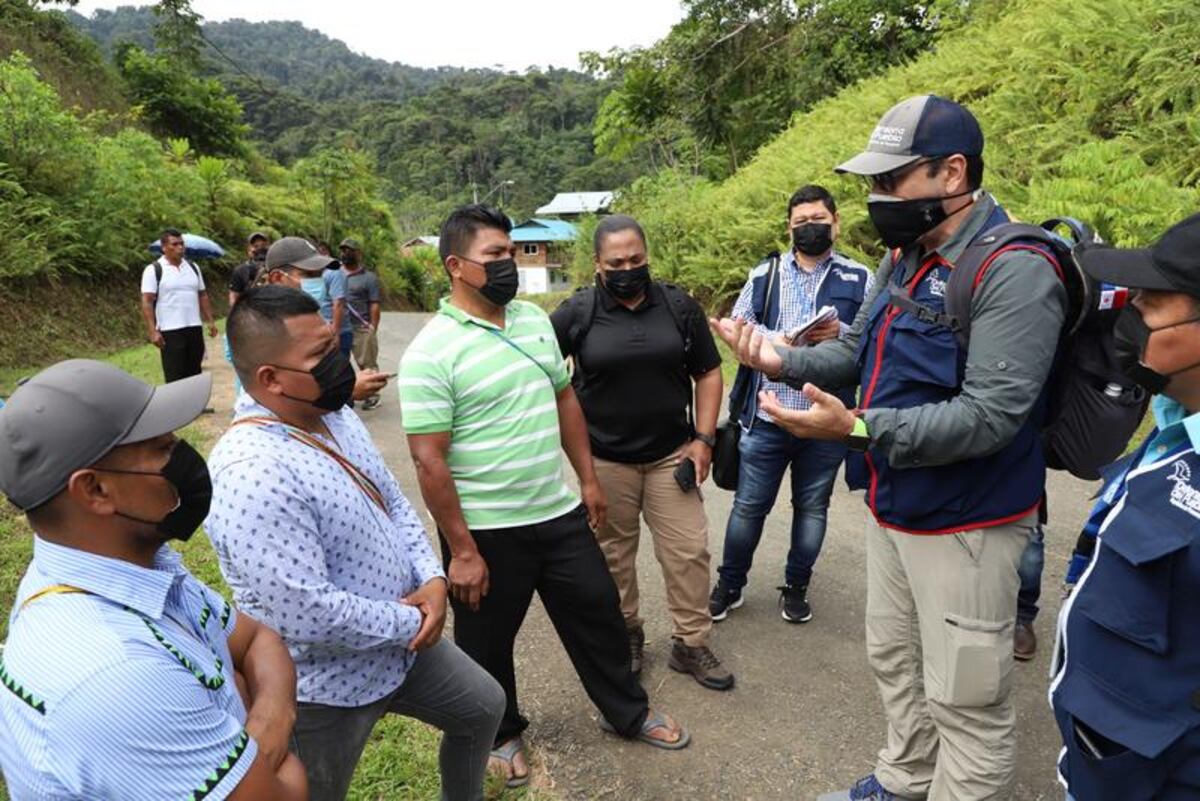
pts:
pixel 844 287
pixel 1132 643
pixel 907 362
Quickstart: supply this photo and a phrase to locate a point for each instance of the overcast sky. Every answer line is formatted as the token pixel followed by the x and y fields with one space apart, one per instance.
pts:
pixel 468 33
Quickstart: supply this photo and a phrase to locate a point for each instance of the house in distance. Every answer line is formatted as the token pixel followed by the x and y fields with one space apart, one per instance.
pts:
pixel 573 205
pixel 543 251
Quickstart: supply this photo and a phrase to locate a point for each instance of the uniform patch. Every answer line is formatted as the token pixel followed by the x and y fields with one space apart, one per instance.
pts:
pixel 937 286
pixel 1183 495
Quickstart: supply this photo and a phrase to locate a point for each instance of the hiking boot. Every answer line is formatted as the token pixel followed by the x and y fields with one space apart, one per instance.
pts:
pixel 701 663
pixel 793 603
pixel 865 789
pixel 1024 641
pixel 637 647
pixel 723 600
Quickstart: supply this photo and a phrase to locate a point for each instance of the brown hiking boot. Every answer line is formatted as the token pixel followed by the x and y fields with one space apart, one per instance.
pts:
pixel 637 646
pixel 701 663
pixel 1024 641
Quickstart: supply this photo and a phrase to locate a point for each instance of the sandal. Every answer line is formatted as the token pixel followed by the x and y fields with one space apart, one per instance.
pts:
pixel 655 720
pixel 506 753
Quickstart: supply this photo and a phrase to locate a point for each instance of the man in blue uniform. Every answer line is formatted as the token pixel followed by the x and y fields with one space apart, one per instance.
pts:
pixel 1126 692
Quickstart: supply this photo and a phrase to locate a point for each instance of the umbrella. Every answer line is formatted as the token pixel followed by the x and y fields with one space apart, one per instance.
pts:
pixel 195 247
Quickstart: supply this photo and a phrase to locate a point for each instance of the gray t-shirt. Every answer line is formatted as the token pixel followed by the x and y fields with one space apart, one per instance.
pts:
pixel 362 289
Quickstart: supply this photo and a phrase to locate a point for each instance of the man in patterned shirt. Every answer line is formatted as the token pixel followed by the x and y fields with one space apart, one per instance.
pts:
pixel 316 540
pixel 124 677
pixel 779 297
pixel 486 402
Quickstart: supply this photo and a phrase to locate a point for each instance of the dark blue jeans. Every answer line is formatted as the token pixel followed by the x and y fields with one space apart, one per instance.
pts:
pixel 1030 571
pixel 766 453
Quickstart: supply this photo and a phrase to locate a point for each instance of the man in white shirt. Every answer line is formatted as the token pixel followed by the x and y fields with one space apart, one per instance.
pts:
pixel 174 300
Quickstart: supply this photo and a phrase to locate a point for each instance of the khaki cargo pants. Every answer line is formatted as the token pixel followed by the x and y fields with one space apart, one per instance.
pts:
pixel 940 616
pixel 679 527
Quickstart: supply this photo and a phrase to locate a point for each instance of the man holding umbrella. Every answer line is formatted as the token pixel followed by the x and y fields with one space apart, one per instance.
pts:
pixel 174 300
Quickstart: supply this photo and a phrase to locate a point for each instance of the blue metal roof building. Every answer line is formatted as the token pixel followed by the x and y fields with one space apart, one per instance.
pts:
pixel 540 229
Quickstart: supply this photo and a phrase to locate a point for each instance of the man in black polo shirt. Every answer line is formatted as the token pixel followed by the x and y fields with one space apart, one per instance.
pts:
pixel 638 347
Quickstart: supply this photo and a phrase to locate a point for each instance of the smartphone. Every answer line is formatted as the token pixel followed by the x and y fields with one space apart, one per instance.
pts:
pixel 685 475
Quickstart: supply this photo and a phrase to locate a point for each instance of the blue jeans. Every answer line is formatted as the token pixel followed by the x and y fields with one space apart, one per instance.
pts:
pixel 1030 571
pixel 346 342
pixel 766 453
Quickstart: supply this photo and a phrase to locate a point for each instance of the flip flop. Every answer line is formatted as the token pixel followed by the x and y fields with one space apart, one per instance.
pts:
pixel 505 754
pixel 652 722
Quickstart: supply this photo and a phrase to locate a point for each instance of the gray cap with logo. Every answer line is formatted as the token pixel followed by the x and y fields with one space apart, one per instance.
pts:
pixel 70 415
pixel 295 251
pixel 926 126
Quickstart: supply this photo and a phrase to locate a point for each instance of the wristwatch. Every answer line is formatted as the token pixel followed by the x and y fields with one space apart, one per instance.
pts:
pixel 858 439
pixel 707 439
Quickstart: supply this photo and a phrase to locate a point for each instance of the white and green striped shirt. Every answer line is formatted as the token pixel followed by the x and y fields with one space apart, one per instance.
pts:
pixel 464 375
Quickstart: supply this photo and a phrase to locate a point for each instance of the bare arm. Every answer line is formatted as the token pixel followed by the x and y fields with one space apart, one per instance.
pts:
pixel 709 389
pixel 339 311
pixel 262 659
pixel 206 313
pixel 376 308
pixel 468 573
pixel 286 783
pixel 152 332
pixel 574 435
pixel 233 297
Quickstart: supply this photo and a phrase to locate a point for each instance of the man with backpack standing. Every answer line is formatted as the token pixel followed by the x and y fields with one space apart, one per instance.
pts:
pixel 638 347
pixel 954 466
pixel 781 295
pixel 174 300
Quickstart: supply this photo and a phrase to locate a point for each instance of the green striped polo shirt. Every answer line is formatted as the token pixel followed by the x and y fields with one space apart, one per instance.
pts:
pixel 464 375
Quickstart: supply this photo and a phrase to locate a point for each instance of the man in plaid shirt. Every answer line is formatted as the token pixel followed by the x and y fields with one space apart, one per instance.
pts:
pixel 778 300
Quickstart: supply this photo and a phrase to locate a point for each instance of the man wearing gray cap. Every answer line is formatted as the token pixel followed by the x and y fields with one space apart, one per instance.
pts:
pixel 124 676
pixel 951 451
pixel 363 306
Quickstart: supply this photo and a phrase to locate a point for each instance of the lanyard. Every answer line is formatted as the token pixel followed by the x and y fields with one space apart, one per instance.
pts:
pixel 517 348
pixel 361 479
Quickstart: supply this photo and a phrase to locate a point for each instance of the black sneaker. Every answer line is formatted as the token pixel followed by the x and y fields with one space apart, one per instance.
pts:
pixel 723 600
pixel 793 603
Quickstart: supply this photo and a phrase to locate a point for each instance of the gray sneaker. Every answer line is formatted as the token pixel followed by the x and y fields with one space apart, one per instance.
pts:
pixel 701 663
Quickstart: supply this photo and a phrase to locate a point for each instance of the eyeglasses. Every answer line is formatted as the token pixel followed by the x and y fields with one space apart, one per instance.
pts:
pixel 886 183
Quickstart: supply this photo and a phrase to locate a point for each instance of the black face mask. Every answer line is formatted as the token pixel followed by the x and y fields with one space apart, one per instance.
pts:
pixel 334 376
pixel 187 473
pixel 349 259
pixel 502 281
pixel 1131 335
pixel 627 284
pixel 901 222
pixel 260 254
pixel 812 239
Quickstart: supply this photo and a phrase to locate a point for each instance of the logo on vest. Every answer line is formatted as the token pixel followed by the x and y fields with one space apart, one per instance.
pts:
pixel 937 286
pixel 851 277
pixel 1183 495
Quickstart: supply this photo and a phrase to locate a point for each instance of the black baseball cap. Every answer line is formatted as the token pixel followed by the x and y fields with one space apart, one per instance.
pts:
pixel 920 127
pixel 1171 265
pixel 71 414
pixel 295 251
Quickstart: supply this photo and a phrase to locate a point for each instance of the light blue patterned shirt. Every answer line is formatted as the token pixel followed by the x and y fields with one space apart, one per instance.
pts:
pixel 125 691
pixel 308 553
pixel 798 290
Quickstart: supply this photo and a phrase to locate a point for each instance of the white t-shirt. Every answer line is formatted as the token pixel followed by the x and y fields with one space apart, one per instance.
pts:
pixel 178 294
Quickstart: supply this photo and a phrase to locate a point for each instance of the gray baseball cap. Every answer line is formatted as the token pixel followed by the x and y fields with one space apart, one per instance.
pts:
pixel 920 127
pixel 351 243
pixel 257 235
pixel 71 414
pixel 294 251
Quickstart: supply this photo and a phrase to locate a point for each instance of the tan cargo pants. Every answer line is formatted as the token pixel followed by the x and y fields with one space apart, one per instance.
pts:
pixel 940 616
pixel 680 530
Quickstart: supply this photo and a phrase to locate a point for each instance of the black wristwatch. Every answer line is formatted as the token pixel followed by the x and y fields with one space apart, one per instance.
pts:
pixel 859 439
pixel 707 439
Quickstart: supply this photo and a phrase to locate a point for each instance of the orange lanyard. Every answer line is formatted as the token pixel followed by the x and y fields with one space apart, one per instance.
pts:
pixel 54 589
pixel 364 482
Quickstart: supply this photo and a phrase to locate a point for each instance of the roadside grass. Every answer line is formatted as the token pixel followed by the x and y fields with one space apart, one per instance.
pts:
pixel 400 762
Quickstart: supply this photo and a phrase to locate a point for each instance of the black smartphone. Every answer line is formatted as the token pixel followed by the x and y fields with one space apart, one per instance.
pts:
pixel 685 475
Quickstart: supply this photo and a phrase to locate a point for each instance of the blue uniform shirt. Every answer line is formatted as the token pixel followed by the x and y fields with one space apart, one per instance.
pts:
pixel 123 691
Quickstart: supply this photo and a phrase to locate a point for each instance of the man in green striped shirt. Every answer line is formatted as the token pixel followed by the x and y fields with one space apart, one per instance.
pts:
pixel 487 402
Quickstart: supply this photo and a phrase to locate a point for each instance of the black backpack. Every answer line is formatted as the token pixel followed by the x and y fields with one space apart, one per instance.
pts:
pixel 158 277
pixel 1093 407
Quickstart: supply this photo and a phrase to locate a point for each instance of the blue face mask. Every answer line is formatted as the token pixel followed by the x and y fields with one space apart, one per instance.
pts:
pixel 314 288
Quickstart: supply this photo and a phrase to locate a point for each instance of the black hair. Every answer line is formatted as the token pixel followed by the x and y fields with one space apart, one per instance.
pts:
pixel 811 193
pixel 256 324
pixel 974 170
pixel 459 229
pixel 615 224
pixel 169 233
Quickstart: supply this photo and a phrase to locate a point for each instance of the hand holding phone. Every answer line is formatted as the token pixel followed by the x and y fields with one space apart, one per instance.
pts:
pixel 685 475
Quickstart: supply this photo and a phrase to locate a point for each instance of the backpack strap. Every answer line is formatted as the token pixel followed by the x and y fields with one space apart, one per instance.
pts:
pixel 678 303
pixel 583 314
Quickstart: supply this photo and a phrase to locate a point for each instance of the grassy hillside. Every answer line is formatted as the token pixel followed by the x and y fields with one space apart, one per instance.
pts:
pixel 1089 108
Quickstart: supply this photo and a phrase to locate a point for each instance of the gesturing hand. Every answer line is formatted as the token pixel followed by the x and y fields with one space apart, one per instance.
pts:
pixel 749 346
pixel 828 418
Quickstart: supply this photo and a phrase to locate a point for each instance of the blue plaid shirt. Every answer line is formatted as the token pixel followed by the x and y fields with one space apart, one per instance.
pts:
pixel 798 290
pixel 124 690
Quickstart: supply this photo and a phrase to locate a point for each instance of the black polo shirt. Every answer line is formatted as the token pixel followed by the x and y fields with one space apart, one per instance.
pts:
pixel 632 376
